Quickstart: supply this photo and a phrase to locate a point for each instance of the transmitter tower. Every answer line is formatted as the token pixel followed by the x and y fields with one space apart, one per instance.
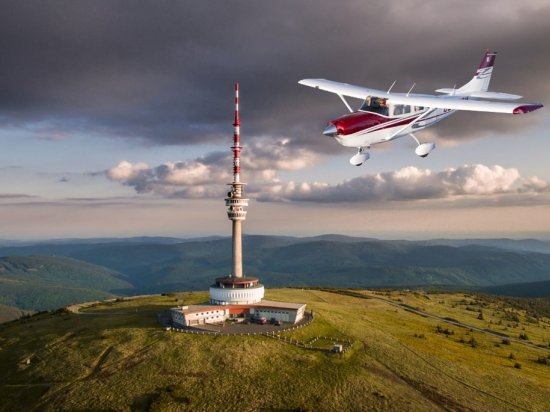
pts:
pixel 236 288
pixel 235 202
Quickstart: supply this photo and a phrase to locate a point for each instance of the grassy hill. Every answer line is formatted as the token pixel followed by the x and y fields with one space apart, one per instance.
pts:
pixel 115 356
pixel 48 282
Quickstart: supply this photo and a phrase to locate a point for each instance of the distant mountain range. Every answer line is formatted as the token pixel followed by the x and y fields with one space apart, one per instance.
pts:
pixel 525 245
pixel 530 289
pixel 518 245
pixel 49 274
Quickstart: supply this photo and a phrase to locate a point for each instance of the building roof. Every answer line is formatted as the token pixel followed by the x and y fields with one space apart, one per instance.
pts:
pixel 201 307
pixel 237 280
pixel 263 304
pixel 281 305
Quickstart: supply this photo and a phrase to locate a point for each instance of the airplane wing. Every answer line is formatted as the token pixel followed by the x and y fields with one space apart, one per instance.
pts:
pixel 436 102
pixel 481 94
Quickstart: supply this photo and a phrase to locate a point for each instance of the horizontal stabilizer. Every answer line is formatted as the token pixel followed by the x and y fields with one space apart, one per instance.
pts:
pixel 481 94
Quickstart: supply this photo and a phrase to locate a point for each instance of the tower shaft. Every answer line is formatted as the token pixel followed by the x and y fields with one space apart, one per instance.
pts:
pixel 237 249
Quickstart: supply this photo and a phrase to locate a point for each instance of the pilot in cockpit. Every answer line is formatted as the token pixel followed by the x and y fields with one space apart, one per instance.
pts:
pixel 376 105
pixel 383 107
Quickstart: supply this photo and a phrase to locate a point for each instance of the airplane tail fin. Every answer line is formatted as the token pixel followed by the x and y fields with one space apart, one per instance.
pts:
pixel 480 82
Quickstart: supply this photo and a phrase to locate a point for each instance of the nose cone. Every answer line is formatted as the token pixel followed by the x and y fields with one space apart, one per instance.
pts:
pixel 330 130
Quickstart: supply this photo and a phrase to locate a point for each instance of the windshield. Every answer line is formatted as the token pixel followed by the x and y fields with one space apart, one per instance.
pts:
pixel 375 105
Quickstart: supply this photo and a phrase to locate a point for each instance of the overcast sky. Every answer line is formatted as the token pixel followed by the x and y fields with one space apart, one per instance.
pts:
pixel 115 118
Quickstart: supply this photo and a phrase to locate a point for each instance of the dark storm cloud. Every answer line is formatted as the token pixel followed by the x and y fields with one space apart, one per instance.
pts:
pixel 163 72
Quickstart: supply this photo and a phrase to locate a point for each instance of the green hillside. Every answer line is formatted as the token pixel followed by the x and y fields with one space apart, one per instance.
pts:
pixel 47 282
pixel 115 356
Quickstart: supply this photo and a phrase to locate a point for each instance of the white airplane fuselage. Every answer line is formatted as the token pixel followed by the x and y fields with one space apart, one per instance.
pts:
pixel 365 129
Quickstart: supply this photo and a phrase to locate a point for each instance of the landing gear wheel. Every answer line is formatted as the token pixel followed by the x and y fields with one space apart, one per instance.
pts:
pixel 359 158
pixel 424 149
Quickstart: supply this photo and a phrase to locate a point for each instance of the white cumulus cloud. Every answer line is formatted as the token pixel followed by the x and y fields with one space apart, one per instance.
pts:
pixel 125 171
pixel 207 176
pixel 411 183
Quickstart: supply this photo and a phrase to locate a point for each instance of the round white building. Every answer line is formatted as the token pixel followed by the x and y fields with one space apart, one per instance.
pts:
pixel 231 290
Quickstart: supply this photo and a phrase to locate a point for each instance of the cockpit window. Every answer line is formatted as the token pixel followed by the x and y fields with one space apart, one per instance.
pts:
pixel 380 105
pixel 375 105
pixel 400 109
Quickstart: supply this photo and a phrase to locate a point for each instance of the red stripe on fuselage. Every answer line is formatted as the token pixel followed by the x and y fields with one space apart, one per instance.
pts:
pixel 368 122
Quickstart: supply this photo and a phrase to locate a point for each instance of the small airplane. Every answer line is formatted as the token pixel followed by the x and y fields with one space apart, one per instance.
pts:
pixel 386 116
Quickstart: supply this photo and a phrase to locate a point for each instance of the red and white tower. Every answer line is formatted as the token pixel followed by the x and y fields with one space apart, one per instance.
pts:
pixel 236 288
pixel 235 202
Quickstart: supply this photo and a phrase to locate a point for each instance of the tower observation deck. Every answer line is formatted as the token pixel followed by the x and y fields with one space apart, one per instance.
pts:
pixel 235 288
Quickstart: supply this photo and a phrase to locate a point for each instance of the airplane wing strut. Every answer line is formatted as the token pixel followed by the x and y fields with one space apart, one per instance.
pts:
pixel 345 102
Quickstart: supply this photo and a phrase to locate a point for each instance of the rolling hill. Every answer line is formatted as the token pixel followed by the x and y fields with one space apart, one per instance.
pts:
pixel 529 289
pixel 48 282
pixel 120 358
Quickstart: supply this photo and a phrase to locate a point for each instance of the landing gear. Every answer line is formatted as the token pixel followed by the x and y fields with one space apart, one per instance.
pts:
pixel 423 149
pixel 361 157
